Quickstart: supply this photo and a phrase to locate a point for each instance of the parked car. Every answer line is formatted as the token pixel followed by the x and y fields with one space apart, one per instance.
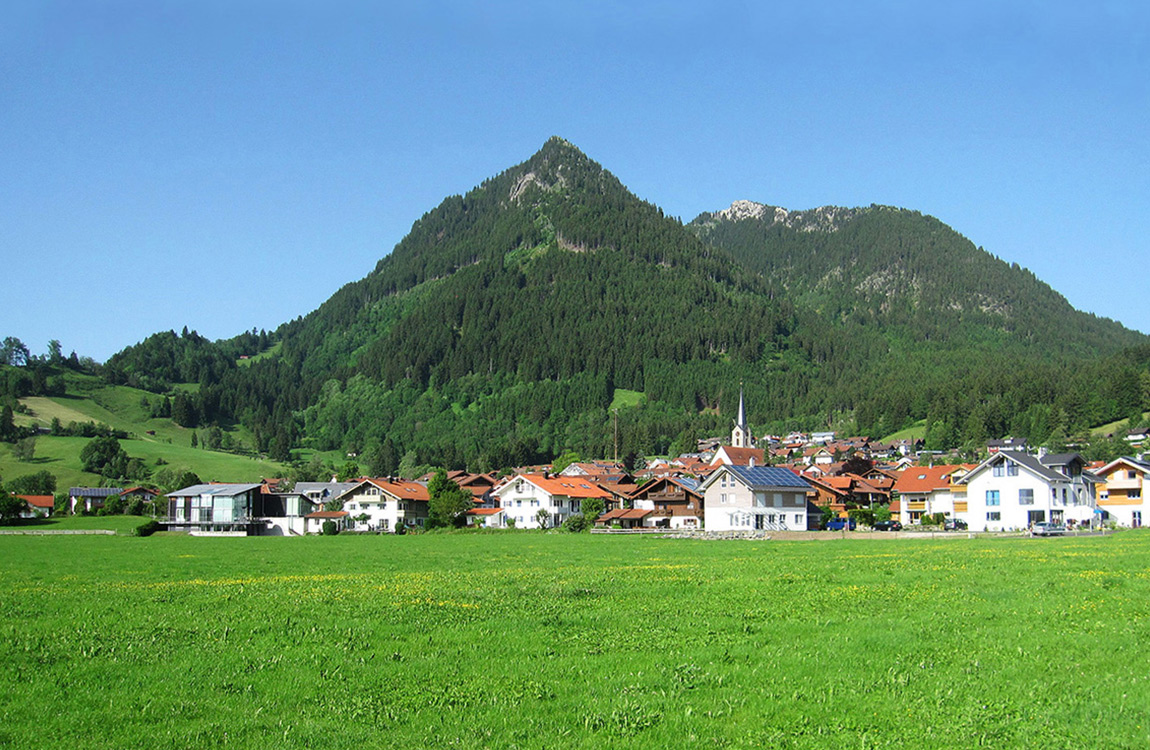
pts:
pixel 838 524
pixel 891 525
pixel 954 524
pixel 1046 528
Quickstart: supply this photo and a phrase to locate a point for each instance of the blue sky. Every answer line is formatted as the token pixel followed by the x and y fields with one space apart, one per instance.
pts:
pixel 230 165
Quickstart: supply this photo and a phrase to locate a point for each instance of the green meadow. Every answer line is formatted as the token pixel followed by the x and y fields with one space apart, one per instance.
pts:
pixel 536 640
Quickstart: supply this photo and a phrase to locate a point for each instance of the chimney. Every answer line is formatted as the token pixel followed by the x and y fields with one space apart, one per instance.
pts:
pixel 752 462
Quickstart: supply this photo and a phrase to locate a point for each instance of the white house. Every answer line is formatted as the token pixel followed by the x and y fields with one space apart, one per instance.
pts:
pixel 523 497
pixel 746 498
pixel 384 504
pixel 1013 490
pixel 929 490
pixel 1123 496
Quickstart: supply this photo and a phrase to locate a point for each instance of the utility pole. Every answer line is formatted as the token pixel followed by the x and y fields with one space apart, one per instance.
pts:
pixel 615 413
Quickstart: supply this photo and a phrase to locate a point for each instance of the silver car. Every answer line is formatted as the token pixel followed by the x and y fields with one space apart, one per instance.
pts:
pixel 1046 528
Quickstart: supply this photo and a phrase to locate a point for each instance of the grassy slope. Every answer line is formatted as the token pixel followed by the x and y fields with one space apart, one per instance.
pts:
pixel 121 407
pixel 536 640
pixel 917 432
pixel 623 399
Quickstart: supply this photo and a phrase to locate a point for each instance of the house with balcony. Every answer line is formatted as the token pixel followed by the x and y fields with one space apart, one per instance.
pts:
pixel 755 498
pixel 1013 490
pixel 214 509
pixel 385 504
pixel 1122 495
pixel 673 502
pixel 926 490
pixel 542 500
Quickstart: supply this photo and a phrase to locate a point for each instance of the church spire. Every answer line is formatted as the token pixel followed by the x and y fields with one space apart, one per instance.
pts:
pixel 741 436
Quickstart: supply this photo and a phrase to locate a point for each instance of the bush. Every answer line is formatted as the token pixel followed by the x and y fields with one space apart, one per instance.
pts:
pixel 576 523
pixel 329 528
pixel 148 528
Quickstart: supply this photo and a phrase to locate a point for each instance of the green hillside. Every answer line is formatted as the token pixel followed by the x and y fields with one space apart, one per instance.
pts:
pixel 157 442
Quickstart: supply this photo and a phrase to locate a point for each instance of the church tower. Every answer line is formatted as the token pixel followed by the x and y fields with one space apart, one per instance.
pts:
pixel 741 436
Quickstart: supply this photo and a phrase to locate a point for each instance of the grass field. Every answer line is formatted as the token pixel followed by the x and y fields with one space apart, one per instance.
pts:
pixel 546 640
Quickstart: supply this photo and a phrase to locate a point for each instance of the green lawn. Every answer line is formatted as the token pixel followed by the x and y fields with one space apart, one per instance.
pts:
pixel 547 640
pixel 118 524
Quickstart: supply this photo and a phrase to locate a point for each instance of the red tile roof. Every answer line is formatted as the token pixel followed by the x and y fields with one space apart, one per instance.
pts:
pixel 567 486
pixel 401 488
pixel 484 511
pixel 327 514
pixel 925 478
pixel 742 456
pixel 39 501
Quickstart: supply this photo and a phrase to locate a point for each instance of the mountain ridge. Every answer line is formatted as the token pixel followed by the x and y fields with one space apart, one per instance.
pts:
pixel 505 319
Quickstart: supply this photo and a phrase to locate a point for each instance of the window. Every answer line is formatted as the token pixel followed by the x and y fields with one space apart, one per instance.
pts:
pixel 994 516
pixel 798 519
pixel 1026 497
pixel 778 499
pixel 1131 474
pixel 992 497
pixel 723 497
pixel 998 470
pixel 1134 494
pixel 1012 470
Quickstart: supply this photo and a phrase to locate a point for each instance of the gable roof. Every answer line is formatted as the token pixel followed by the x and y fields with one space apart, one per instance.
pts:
pixel 397 488
pixel 926 478
pixel 1027 461
pixel 1133 463
pixel 739 456
pixel 760 476
pixel 579 487
pixel 39 501
pixel 327 514
pixel 94 491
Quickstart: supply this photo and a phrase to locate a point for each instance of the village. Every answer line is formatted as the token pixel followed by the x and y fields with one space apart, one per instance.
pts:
pixel 798 482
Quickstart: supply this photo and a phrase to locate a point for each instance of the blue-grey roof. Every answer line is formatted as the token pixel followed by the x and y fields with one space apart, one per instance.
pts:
pixel 686 482
pixel 94 491
pixel 767 476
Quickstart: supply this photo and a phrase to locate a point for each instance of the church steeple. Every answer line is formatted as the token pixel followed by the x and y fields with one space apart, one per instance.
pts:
pixel 741 436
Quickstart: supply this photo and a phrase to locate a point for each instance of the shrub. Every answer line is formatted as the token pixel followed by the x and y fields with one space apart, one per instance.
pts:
pixel 329 528
pixel 576 523
pixel 148 528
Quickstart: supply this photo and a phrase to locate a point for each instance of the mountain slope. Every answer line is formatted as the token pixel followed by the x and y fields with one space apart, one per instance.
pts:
pixel 908 274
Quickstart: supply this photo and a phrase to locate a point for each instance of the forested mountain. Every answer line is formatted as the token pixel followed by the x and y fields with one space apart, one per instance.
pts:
pixel 908 274
pixel 942 329
pixel 498 331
